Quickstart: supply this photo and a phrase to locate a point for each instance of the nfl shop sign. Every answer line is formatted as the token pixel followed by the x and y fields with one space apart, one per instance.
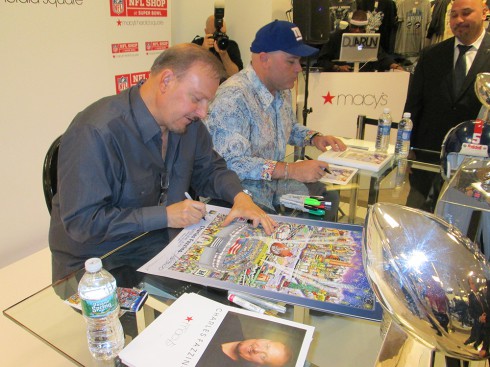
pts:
pixel 156 45
pixel 118 48
pixel 124 81
pixel 138 8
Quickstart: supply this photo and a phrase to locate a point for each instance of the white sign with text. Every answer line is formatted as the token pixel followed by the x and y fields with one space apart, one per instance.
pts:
pixel 337 99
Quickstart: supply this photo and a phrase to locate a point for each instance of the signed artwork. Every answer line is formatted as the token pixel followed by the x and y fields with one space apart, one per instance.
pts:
pixel 338 175
pixel 315 264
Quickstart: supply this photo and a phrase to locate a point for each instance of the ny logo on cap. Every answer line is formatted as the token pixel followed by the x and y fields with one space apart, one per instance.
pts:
pixel 297 33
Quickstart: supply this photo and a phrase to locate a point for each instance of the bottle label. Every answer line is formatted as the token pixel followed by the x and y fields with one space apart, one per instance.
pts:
pixel 406 135
pixel 399 135
pixel 100 307
pixel 385 130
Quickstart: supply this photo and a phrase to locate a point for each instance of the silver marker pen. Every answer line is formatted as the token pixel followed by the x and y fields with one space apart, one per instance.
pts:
pixel 245 304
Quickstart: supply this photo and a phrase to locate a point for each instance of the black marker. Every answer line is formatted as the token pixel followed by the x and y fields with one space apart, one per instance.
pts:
pixel 325 169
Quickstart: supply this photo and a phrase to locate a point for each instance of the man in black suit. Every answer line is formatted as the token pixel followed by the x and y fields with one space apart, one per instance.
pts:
pixel 434 104
pixel 434 99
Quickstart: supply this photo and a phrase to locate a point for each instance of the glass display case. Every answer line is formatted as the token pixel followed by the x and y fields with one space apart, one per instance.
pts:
pixel 465 201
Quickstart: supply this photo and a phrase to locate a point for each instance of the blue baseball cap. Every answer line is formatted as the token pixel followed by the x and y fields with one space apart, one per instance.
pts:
pixel 281 35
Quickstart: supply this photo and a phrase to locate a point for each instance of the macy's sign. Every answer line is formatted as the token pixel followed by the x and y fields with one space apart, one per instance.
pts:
pixel 359 99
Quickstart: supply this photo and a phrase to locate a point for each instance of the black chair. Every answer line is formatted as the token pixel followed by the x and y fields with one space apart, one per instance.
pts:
pixel 50 172
pixel 362 121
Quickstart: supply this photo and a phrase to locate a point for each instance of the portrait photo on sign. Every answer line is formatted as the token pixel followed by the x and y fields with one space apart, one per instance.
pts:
pixel 242 341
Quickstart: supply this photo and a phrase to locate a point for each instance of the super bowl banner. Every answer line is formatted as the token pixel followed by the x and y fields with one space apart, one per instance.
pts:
pixel 133 24
pixel 139 8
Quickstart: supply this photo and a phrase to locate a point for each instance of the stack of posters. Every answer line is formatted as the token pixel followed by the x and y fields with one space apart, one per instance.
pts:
pixel 357 158
pixel 311 263
pixel 196 331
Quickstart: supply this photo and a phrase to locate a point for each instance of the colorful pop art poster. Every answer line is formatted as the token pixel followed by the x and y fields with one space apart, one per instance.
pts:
pixel 310 263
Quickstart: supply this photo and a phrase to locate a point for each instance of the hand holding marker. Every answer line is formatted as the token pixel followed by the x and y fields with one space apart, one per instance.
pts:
pixel 187 196
pixel 325 169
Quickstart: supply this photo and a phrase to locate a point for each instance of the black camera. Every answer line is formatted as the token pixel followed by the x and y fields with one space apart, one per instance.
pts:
pixel 220 37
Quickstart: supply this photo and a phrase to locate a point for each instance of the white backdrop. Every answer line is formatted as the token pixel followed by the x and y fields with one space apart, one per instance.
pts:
pixel 57 58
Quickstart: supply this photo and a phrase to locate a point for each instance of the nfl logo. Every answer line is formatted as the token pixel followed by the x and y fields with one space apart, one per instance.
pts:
pixel 118 6
pixel 122 83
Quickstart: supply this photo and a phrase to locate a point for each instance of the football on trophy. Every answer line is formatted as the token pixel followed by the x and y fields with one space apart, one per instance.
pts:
pixel 432 280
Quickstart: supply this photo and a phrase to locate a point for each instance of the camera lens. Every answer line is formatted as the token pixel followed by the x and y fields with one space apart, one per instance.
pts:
pixel 221 39
pixel 222 42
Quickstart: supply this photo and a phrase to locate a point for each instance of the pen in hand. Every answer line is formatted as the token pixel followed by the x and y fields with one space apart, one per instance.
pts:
pixel 187 196
pixel 325 169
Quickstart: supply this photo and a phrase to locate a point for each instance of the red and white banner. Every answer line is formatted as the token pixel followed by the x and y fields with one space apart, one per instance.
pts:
pixel 138 8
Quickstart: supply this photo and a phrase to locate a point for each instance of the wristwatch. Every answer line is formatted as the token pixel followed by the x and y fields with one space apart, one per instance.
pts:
pixel 313 136
pixel 247 192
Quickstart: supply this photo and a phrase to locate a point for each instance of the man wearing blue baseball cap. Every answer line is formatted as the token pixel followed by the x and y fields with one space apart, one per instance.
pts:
pixel 251 120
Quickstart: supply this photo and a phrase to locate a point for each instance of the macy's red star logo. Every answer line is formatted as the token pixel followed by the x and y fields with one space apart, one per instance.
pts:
pixel 328 98
pixel 188 318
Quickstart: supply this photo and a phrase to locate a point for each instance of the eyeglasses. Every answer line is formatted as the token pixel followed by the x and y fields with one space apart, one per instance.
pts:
pixel 163 187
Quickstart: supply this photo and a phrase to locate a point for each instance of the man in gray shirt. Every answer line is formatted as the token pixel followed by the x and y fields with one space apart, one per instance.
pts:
pixel 126 161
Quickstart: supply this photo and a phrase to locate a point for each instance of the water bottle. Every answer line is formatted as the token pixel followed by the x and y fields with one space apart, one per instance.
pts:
pixel 383 134
pixel 400 175
pixel 98 293
pixel 402 145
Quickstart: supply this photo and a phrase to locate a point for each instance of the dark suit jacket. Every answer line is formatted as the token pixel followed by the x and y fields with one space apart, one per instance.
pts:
pixel 430 98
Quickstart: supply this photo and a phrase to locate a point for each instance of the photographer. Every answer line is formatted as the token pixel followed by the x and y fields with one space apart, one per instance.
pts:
pixel 228 54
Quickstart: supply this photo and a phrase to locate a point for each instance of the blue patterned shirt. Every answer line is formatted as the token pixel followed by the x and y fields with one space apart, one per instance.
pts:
pixel 251 127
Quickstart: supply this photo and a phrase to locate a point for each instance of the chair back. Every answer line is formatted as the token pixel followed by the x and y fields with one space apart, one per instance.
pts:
pixel 362 121
pixel 50 172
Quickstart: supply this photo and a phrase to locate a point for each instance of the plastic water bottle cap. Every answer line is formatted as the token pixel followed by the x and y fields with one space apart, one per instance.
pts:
pixel 386 110
pixel 93 265
pixel 407 115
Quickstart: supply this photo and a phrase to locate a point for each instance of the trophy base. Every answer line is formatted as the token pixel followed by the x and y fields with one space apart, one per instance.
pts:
pixel 401 350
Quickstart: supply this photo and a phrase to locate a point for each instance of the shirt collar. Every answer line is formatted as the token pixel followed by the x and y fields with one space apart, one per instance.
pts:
pixel 266 98
pixel 143 119
pixel 476 44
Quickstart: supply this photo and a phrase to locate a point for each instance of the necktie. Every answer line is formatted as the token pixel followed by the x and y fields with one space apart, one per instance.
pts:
pixel 460 68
